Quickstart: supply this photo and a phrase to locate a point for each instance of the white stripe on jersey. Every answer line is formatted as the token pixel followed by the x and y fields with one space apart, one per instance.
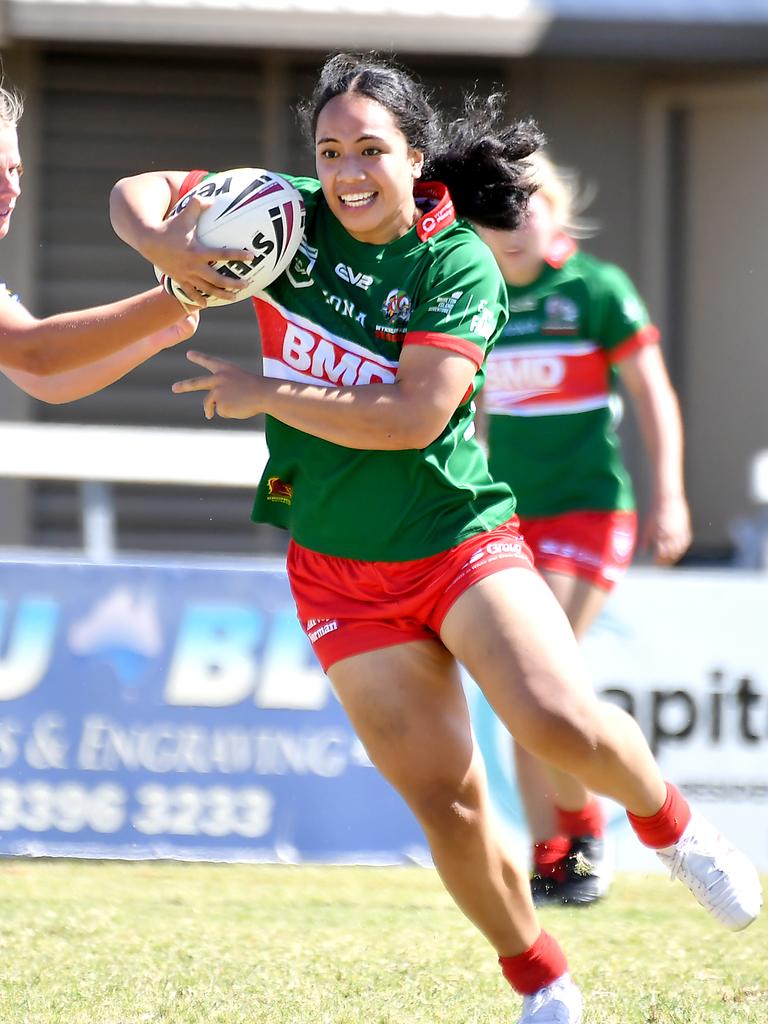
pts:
pixel 573 348
pixel 549 408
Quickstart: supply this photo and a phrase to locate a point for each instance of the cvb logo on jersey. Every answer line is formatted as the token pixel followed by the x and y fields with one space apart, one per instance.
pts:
pixel 396 309
pixel 346 273
pixel 561 316
pixel 299 273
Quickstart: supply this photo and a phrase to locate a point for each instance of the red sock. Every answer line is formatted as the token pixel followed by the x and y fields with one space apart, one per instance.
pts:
pixel 665 826
pixel 589 821
pixel 538 966
pixel 549 857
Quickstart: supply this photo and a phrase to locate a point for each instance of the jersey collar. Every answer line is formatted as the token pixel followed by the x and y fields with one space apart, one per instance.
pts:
pixel 440 214
pixel 561 250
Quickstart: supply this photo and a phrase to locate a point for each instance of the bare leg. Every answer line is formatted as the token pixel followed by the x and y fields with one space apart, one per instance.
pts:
pixel 515 641
pixel 537 793
pixel 542 787
pixel 408 707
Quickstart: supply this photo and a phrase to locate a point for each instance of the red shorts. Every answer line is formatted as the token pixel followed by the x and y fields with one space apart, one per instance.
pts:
pixel 595 546
pixel 349 607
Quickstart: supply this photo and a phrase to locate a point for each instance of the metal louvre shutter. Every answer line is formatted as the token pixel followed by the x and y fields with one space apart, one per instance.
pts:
pixel 105 116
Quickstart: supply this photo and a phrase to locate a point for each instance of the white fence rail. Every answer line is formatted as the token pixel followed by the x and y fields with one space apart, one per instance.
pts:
pixel 97 457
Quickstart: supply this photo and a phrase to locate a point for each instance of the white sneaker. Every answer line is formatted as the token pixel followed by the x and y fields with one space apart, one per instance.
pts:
pixel 722 878
pixel 558 1003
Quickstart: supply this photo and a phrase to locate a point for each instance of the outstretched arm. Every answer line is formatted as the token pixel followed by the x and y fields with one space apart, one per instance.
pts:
pixel 409 413
pixel 69 340
pixel 667 531
pixel 70 385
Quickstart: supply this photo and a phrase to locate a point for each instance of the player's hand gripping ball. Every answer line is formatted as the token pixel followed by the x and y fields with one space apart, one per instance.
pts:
pixel 251 209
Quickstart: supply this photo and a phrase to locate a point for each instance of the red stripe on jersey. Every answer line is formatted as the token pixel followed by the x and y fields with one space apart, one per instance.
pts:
pixel 546 378
pixel 299 350
pixel 192 179
pixel 648 335
pixel 447 341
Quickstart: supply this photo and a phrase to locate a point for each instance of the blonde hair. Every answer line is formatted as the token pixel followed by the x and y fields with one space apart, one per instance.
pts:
pixel 568 198
pixel 11 107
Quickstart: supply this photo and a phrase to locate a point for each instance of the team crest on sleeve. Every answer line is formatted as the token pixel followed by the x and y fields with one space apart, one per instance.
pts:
pixel 300 271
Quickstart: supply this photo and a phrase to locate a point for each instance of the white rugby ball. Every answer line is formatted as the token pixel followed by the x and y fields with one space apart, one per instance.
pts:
pixel 252 209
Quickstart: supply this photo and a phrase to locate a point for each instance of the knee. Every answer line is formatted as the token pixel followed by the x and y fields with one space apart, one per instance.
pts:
pixel 566 736
pixel 446 807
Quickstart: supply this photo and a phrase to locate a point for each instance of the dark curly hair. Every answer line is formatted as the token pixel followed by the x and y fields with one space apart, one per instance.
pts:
pixel 478 156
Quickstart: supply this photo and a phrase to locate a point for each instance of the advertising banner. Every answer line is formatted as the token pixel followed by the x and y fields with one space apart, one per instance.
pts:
pixel 173 711
pixel 178 712
pixel 685 652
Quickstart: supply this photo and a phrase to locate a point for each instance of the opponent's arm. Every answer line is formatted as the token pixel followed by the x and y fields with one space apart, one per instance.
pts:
pixel 70 385
pixel 409 413
pixel 137 209
pixel 69 340
pixel 668 528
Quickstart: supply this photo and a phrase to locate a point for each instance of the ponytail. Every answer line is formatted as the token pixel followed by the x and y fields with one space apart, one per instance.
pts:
pixel 481 160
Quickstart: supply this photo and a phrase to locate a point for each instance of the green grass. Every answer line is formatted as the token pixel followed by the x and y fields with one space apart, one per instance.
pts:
pixel 116 943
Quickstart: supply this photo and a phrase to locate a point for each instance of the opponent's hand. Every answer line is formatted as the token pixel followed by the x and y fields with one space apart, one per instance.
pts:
pixel 230 391
pixel 174 248
pixel 667 532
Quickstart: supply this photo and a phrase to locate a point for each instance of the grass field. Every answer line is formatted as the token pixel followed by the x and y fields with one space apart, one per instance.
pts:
pixel 117 943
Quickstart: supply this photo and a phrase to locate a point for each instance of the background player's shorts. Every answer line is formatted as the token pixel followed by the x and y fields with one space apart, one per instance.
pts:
pixel 595 546
pixel 349 607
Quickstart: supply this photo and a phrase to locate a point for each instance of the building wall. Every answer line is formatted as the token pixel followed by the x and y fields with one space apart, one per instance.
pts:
pixel 101 113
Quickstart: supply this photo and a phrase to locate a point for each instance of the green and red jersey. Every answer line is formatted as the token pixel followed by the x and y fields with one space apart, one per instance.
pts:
pixel 340 316
pixel 550 380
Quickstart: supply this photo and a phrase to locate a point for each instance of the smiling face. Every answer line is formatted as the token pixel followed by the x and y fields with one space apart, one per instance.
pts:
pixel 521 253
pixel 10 174
pixel 366 168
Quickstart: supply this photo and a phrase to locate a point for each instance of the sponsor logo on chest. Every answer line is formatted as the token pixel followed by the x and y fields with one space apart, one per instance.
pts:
pixel 346 273
pixel 561 316
pixel 526 375
pixel 295 347
pixel 344 307
pixel 396 311
pixel 327 360
pixel 552 378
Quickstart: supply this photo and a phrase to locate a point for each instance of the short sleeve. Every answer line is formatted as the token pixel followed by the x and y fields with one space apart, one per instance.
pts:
pixel 624 324
pixel 463 305
pixel 191 181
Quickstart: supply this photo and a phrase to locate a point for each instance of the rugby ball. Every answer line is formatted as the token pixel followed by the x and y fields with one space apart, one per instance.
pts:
pixel 252 209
